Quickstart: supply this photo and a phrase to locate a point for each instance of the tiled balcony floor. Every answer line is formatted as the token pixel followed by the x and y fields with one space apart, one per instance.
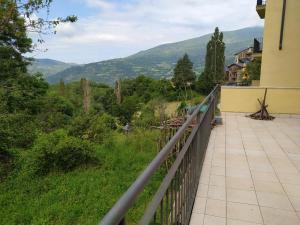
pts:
pixel 251 173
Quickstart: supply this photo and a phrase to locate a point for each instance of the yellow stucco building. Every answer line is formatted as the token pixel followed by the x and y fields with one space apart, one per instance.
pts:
pixel 280 72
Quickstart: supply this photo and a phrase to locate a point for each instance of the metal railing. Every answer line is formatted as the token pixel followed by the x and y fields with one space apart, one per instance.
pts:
pixel 261 2
pixel 173 201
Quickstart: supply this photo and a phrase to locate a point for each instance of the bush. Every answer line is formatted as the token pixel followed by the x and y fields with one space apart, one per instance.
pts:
pixel 80 125
pixel 102 127
pixel 16 130
pixel 57 113
pixel 57 151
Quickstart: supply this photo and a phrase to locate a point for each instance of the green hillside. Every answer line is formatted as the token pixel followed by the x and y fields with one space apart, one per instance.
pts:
pixel 159 61
pixel 48 67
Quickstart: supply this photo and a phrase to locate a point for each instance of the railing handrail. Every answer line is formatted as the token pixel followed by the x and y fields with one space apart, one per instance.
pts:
pixel 119 210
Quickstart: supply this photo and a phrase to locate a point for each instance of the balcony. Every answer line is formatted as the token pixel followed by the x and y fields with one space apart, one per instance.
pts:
pixel 257 48
pixel 250 174
pixel 261 8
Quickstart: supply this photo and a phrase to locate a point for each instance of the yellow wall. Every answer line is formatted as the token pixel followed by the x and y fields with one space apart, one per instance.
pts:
pixel 281 68
pixel 244 99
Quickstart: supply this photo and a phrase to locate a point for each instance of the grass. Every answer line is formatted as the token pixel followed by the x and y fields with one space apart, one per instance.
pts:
pixel 85 195
pixel 171 107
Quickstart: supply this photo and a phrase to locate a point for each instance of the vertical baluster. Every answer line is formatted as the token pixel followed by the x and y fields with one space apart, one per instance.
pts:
pixel 167 206
pixel 172 199
pixel 176 197
pixel 162 212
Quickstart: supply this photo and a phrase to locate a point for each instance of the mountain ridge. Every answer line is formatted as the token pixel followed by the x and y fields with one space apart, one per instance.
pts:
pixel 159 61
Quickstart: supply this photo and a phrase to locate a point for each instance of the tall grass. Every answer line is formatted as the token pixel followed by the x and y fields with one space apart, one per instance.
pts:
pixel 84 195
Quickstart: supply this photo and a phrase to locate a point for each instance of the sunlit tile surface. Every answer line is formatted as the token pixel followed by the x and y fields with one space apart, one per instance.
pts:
pixel 252 173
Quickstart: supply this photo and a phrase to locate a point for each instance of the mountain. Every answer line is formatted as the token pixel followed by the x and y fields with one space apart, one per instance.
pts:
pixel 158 62
pixel 48 67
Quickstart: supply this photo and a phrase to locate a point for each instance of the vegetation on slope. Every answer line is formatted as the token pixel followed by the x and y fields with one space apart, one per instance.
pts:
pixel 48 67
pixel 63 153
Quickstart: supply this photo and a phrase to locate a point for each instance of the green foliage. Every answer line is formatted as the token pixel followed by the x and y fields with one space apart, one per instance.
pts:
pixel 181 108
pixel 146 117
pixel 84 195
pixel 57 113
pixel 214 63
pixel 13 41
pixel 184 76
pixel 128 107
pixel 24 94
pixel 102 127
pixel 57 151
pixel 253 69
pixel 79 126
pixel 16 131
pixel 204 84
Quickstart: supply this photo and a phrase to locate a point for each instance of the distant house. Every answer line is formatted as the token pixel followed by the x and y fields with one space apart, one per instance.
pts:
pixel 244 55
pixel 236 70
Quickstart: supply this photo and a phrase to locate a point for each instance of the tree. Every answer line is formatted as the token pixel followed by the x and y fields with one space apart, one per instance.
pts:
pixel 13 41
pixel 253 69
pixel 184 75
pixel 16 19
pixel 214 63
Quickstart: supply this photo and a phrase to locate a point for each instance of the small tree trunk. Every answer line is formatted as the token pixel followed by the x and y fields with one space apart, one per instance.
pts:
pixel 62 87
pixel 86 94
pixel 118 91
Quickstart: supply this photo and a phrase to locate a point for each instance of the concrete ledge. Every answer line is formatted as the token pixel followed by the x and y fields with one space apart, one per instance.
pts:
pixel 244 99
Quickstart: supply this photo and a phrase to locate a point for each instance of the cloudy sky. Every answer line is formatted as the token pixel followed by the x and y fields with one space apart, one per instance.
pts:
pixel 116 28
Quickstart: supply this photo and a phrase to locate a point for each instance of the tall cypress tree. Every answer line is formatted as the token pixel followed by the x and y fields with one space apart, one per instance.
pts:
pixel 214 63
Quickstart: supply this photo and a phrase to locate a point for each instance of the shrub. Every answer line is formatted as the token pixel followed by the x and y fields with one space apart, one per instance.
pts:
pixel 80 125
pixel 57 151
pixel 102 127
pixel 16 130
pixel 57 113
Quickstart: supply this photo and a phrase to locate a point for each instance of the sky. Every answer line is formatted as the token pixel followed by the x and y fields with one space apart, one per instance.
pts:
pixel 109 29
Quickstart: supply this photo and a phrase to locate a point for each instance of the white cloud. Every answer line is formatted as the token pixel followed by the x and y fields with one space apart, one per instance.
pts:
pixel 120 29
pixel 100 3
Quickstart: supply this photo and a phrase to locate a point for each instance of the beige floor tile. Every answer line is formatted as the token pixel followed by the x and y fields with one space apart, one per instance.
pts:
pixel 289 178
pixel 199 205
pixel 264 176
pixel 213 220
pixel 218 162
pixel 262 167
pixel 215 208
pixel 295 200
pixel 217 170
pixel 274 200
pixel 271 187
pixel 241 196
pixel 292 189
pixel 234 172
pixel 204 179
pixel 217 180
pixel 202 190
pixel 239 222
pixel 279 217
pixel 197 219
pixel 245 212
pixel 239 183
pixel 216 192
